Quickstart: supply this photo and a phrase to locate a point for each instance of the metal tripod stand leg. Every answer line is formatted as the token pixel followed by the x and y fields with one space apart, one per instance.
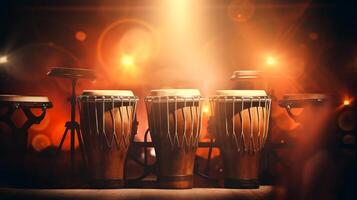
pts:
pixel 62 141
pixel 74 128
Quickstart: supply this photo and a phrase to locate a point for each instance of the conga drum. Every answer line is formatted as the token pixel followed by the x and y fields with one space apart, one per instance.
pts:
pixel 242 118
pixel 175 121
pixel 14 132
pixel 107 120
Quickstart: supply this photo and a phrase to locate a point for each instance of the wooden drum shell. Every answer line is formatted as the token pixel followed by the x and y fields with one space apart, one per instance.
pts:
pixel 242 128
pixel 175 153
pixel 107 133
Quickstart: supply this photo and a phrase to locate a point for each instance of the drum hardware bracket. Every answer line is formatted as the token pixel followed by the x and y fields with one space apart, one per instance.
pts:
pixel 31 118
pixel 291 115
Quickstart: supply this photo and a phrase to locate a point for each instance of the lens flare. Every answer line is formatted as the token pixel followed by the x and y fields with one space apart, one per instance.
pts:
pixel 127 61
pixel 270 60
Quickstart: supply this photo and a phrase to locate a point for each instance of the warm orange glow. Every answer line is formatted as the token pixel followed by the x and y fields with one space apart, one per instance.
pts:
pixel 125 49
pixel 241 11
pixel 346 102
pixel 205 109
pixel 40 142
pixel 127 61
pixel 3 59
pixel 270 60
pixel 57 134
pixel 81 36
pixel 43 125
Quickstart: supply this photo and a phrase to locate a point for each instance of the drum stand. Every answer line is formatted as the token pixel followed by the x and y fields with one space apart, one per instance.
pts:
pixel 73 127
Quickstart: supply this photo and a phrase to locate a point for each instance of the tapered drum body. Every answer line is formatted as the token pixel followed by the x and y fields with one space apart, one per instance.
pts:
pixel 175 121
pixel 242 118
pixel 107 120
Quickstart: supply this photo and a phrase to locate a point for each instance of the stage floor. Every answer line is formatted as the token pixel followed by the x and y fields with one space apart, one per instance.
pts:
pixel 264 192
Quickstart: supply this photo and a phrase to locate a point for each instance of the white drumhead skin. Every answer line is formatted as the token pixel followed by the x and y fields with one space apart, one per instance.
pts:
pixel 19 98
pixel 125 93
pixel 241 93
pixel 176 92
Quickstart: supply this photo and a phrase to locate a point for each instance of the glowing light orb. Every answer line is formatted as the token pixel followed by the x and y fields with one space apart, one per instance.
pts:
pixel 205 109
pixel 3 59
pixel 81 36
pixel 40 142
pixel 270 60
pixel 127 61
pixel 346 102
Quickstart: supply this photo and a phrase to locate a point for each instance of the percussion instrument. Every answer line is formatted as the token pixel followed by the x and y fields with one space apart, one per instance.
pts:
pixel 72 126
pixel 13 135
pixel 242 122
pixel 13 102
pixel 175 121
pixel 107 119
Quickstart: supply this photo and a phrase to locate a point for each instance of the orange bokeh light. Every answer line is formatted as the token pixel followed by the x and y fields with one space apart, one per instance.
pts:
pixel 81 36
pixel 346 102
pixel 40 142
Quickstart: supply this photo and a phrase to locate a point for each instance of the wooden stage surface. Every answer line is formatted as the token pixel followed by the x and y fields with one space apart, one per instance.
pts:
pixel 264 192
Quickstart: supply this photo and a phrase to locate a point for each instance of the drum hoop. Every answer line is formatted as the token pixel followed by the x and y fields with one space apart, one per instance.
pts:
pixel 90 98
pixel 173 99
pixel 28 101
pixel 241 143
pixel 238 99
pixel 117 138
pixel 27 104
pixel 189 140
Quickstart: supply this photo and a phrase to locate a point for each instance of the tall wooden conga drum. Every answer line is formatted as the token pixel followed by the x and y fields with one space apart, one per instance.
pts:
pixel 242 118
pixel 107 119
pixel 175 120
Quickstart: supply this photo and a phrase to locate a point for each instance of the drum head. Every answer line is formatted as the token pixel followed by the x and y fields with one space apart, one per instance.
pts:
pixel 246 74
pixel 241 93
pixel 175 92
pixel 23 99
pixel 125 93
